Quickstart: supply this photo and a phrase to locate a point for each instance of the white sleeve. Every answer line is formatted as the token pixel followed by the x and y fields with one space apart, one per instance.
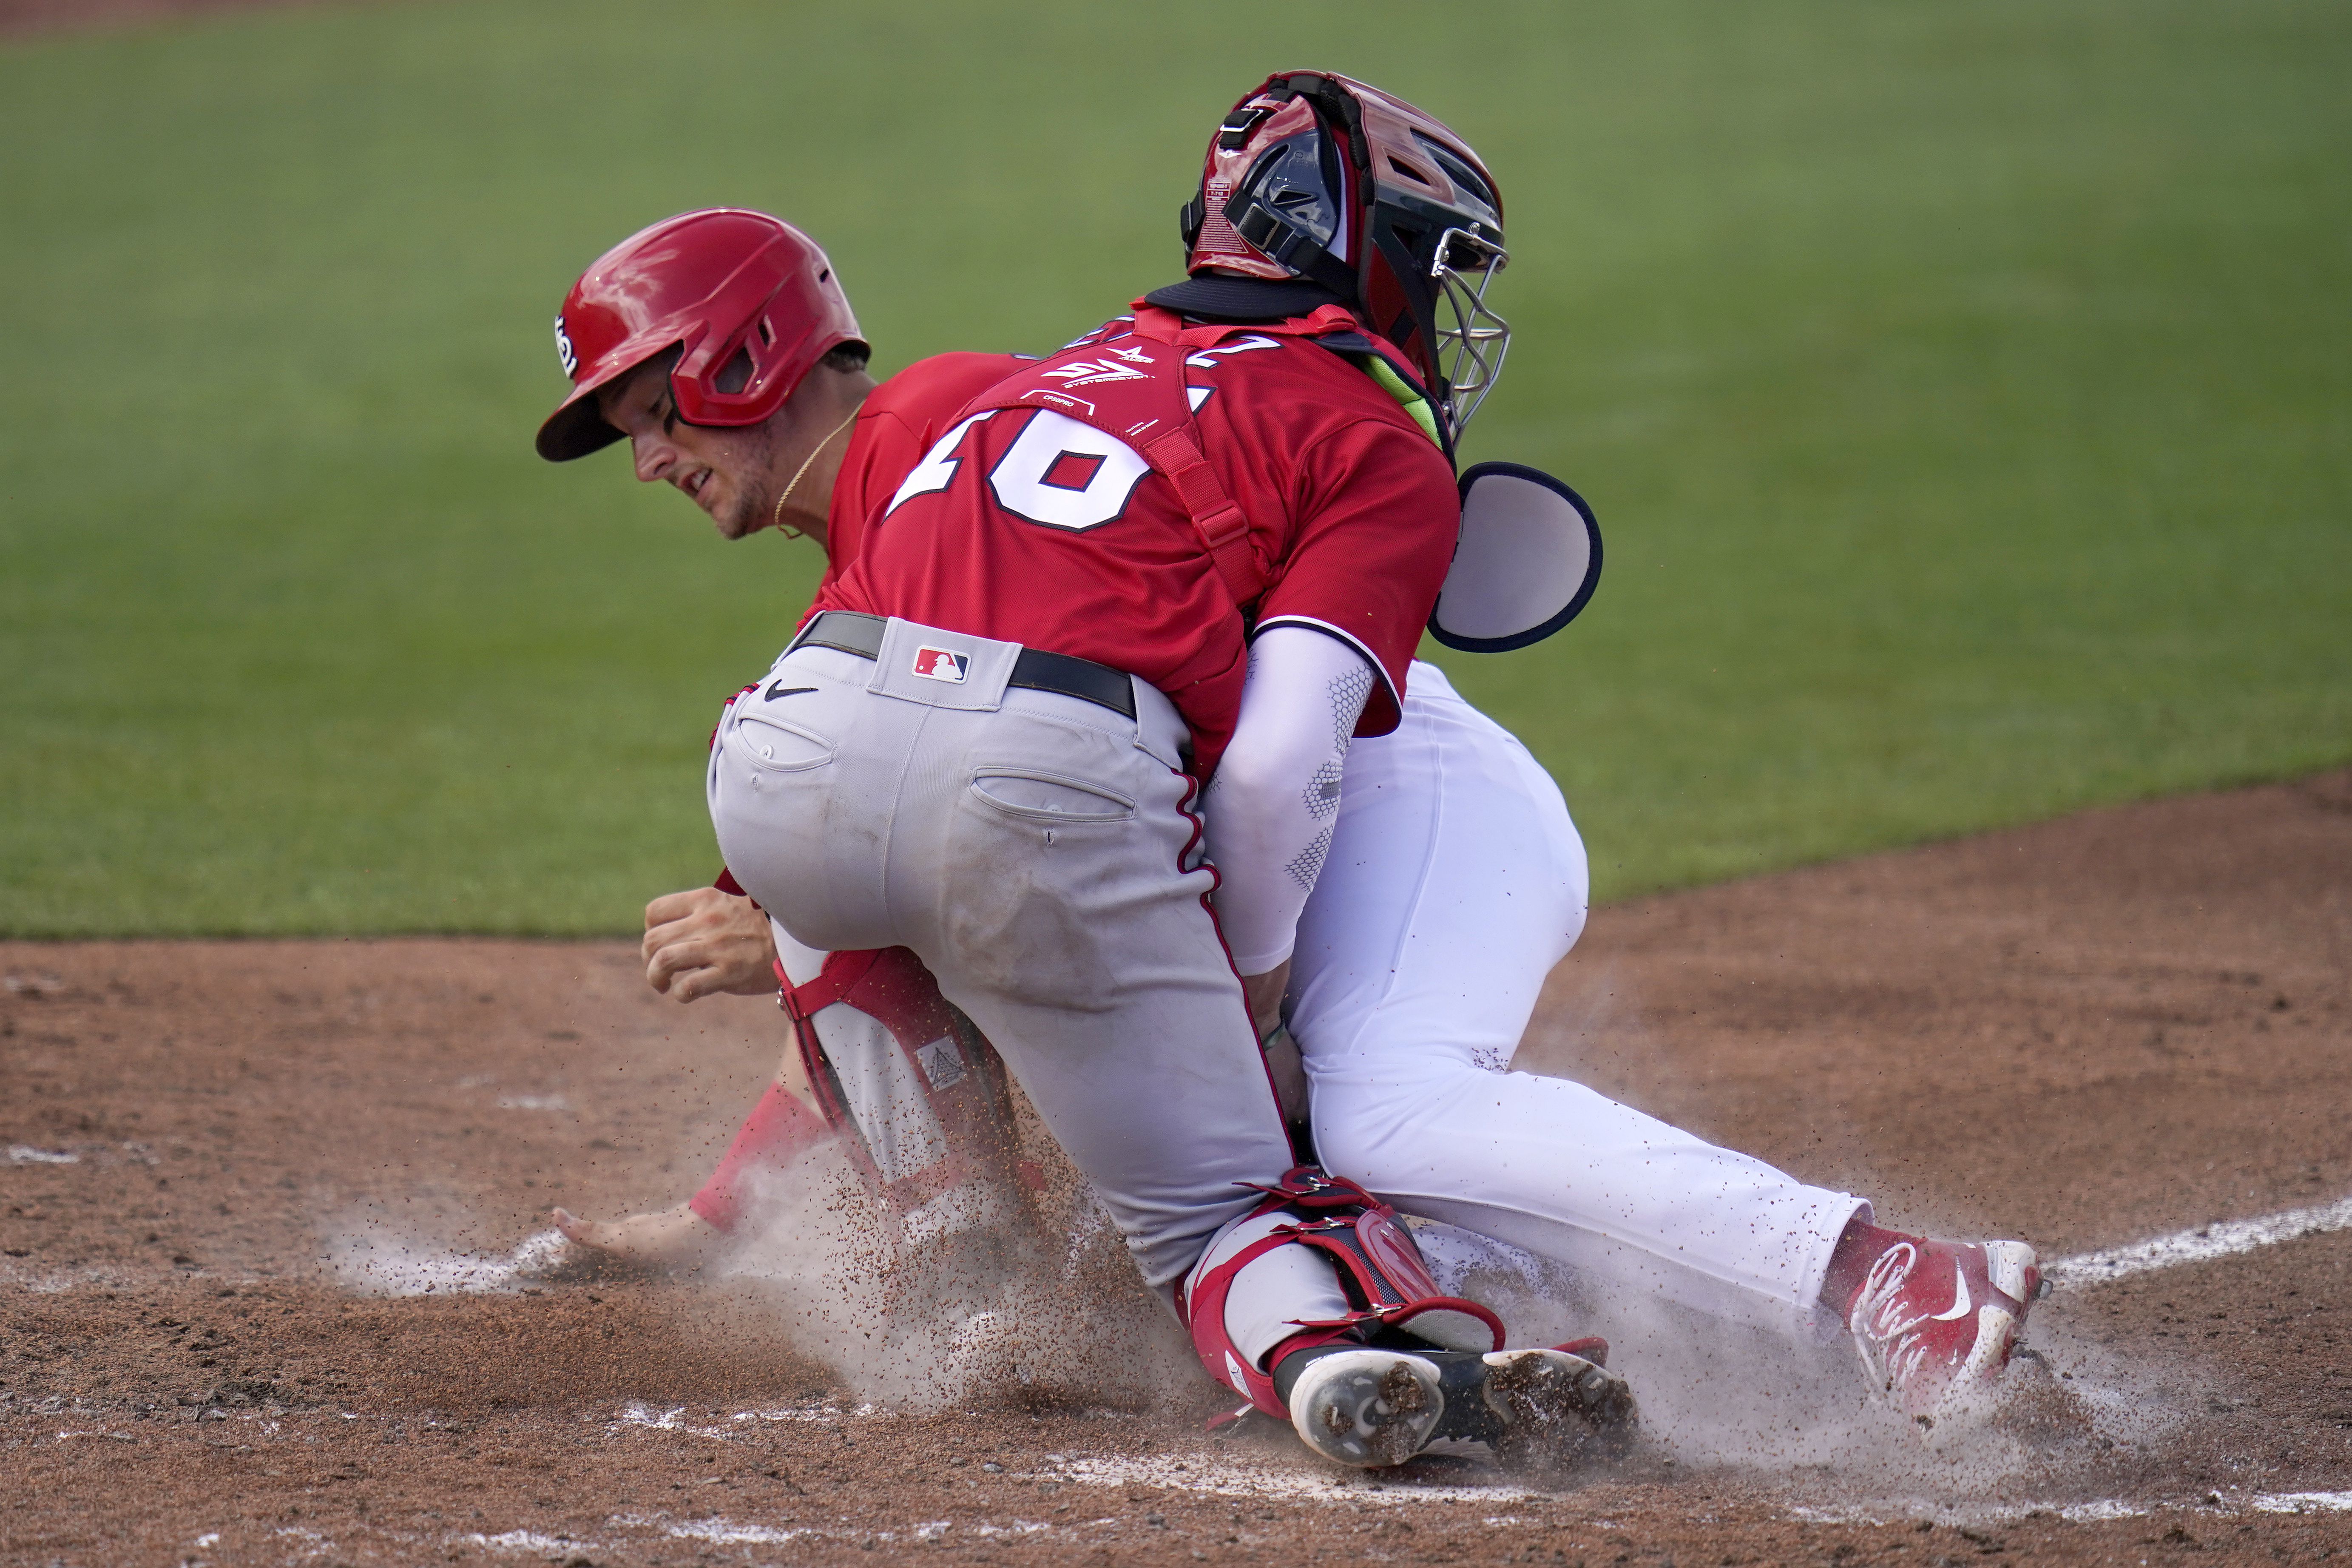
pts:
pixel 1275 798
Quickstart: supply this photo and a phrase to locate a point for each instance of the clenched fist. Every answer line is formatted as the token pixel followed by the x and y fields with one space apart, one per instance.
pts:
pixel 704 943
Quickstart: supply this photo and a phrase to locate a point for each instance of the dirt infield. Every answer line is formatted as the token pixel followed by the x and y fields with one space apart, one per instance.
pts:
pixel 258 1300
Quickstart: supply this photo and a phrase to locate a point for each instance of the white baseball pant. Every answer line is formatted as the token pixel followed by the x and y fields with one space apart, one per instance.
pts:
pixel 1455 882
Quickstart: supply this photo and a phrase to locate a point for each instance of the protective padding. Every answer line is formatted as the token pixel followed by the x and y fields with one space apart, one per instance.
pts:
pixel 1386 1281
pixel 1528 559
pixel 935 1073
pixel 748 300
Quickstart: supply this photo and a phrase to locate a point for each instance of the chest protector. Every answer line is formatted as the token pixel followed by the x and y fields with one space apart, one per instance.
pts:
pixel 1526 553
pixel 1126 379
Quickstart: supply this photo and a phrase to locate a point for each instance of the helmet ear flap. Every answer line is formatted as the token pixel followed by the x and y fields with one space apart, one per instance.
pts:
pixel 1189 218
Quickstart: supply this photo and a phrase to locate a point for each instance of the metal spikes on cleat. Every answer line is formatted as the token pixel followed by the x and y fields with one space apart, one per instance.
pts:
pixel 1366 1407
pixel 1527 1409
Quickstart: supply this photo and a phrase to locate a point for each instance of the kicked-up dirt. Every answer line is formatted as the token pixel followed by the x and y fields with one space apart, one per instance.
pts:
pixel 269 1290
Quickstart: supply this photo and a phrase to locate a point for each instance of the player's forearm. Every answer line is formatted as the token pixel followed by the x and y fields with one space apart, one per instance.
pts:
pixel 1277 795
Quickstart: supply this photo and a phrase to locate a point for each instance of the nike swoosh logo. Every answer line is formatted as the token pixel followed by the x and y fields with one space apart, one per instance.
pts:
pixel 1959 1306
pixel 781 689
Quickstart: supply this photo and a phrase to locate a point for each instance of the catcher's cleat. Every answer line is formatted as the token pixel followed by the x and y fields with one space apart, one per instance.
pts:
pixel 1527 1409
pixel 1936 1322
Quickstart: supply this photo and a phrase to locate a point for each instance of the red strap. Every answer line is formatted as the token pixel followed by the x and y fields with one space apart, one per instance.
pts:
pixel 1164 326
pixel 1204 1316
pixel 779 1128
pixel 1124 405
pixel 1158 325
pixel 1383 1265
pixel 841 973
pixel 1223 531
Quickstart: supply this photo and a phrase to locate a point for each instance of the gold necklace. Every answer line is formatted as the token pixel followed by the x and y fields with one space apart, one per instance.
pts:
pixel 777 520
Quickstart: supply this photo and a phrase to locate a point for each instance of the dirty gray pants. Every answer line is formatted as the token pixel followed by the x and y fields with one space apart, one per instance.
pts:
pixel 1034 850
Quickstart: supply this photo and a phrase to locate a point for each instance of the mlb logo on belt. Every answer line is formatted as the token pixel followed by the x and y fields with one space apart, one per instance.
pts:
pixel 942 664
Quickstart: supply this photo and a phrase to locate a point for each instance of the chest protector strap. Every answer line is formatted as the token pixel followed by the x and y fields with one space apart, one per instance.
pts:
pixel 1127 380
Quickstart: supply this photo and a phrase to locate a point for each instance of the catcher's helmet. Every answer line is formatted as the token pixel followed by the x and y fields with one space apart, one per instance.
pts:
pixel 750 300
pixel 1317 176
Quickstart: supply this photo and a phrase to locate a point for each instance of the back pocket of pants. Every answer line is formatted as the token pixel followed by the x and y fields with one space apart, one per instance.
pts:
pixel 1038 796
pixel 778 747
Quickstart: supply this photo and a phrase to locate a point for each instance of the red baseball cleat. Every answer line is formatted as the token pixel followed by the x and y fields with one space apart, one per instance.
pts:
pixel 1935 1321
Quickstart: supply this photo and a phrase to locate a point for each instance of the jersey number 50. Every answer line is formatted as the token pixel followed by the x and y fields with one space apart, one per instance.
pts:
pixel 1057 472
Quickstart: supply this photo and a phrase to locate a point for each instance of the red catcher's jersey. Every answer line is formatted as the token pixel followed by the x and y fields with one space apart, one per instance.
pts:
pixel 896 425
pixel 1023 526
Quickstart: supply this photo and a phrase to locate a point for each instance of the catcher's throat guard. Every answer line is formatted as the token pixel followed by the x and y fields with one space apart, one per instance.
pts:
pixel 1387 1282
pixel 1525 564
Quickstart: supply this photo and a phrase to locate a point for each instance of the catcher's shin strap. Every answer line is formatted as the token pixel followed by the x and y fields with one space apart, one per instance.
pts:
pixel 1380 1269
pixel 961 1082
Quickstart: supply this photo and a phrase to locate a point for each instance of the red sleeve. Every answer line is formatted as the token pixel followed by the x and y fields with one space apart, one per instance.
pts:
pixel 1380 517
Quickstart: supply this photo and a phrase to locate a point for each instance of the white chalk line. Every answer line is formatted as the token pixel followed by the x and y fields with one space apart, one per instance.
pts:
pixel 394 1268
pixel 2224 1238
pixel 1218 1476
pixel 2092 1512
pixel 401 1271
pixel 717 1529
pixel 387 1264
pixel 2302 1502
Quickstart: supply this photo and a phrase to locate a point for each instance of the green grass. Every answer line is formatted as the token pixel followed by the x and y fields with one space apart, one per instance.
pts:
pixel 1962 390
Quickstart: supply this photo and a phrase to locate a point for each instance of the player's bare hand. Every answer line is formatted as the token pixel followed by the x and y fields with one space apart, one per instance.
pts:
pixel 704 943
pixel 1263 993
pixel 667 1241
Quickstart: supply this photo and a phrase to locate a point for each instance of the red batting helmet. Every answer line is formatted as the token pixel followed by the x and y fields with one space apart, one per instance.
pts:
pixel 750 297
pixel 1313 175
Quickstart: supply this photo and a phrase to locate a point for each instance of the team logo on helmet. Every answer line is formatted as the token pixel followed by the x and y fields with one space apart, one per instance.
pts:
pixel 570 360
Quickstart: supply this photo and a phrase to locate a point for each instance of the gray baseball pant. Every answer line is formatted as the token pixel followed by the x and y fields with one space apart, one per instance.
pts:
pixel 1034 850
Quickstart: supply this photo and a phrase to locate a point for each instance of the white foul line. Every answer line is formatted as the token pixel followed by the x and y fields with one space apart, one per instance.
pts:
pixel 2207 1242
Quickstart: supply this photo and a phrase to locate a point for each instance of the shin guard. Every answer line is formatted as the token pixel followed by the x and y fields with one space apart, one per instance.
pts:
pixel 919 1094
pixel 1380 1269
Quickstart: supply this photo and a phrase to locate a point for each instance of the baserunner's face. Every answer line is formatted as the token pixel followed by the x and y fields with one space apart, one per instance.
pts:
pixel 723 471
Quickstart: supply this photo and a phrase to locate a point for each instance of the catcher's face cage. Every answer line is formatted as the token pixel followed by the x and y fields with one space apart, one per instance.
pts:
pixel 1472 339
pixel 1428 268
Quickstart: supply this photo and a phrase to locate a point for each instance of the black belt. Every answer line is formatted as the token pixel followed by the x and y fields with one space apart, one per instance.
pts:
pixel 1036 670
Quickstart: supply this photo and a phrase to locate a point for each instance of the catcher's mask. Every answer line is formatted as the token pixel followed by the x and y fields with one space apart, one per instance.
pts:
pixel 1317 176
pixel 751 300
